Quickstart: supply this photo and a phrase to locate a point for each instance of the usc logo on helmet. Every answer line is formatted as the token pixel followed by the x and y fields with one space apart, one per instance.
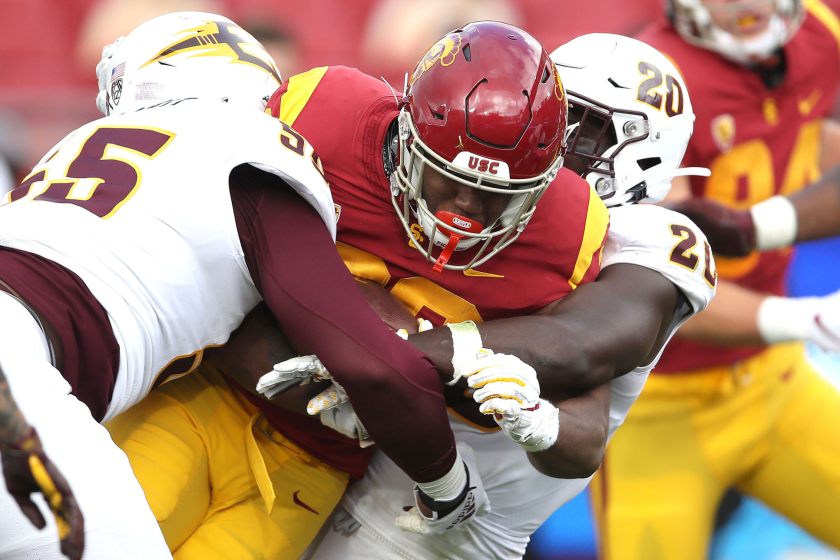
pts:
pixel 444 50
pixel 559 90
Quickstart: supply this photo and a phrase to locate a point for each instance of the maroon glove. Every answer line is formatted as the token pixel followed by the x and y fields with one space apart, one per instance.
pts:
pixel 27 469
pixel 731 233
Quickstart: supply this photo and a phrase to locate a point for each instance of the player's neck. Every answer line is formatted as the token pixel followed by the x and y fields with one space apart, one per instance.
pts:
pixel 771 70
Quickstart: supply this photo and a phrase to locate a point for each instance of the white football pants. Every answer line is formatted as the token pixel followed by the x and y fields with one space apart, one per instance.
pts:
pixel 118 522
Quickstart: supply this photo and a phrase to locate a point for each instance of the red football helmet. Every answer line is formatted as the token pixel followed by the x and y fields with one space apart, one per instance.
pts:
pixel 486 108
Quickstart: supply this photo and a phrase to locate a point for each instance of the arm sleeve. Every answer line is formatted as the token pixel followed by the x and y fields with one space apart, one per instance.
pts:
pixel 394 388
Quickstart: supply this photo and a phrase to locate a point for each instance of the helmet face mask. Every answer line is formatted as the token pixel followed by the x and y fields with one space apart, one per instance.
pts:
pixel 477 123
pixel 184 55
pixel 633 117
pixel 743 31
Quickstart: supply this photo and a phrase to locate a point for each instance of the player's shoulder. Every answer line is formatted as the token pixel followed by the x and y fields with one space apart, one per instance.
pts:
pixel 326 91
pixel 814 51
pixel 667 242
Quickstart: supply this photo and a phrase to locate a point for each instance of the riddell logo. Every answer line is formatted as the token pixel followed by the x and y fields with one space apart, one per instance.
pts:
pixel 484 165
pixel 461 223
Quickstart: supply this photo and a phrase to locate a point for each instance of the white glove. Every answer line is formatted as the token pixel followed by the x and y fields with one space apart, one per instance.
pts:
pixel 102 74
pixel 816 319
pixel 291 373
pixel 507 388
pixel 471 503
pixel 342 418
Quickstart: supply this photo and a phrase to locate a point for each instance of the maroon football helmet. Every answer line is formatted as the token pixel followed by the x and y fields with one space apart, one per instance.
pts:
pixel 486 108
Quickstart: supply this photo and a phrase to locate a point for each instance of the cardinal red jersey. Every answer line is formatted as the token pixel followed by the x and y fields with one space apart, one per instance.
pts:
pixel 345 115
pixel 758 142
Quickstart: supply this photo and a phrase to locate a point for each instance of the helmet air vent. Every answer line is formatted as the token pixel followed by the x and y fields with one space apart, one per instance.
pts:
pixel 466 51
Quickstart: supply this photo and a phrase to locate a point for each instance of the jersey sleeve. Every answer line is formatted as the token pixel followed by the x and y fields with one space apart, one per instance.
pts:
pixel 275 147
pixel 394 388
pixel 667 242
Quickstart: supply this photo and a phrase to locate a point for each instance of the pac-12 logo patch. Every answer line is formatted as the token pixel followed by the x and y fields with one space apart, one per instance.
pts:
pixel 337 212
pixel 444 50
pixel 723 132
pixel 117 74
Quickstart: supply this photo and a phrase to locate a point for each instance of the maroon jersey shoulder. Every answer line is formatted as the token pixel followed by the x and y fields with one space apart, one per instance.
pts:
pixel 343 113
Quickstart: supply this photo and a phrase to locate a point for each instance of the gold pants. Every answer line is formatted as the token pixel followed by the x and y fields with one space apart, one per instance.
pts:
pixel 769 426
pixel 193 444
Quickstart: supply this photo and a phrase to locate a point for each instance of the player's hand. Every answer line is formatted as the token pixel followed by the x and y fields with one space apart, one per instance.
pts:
pixel 448 516
pixel 292 373
pixel 731 233
pixel 508 388
pixel 824 330
pixel 27 470
pixel 814 319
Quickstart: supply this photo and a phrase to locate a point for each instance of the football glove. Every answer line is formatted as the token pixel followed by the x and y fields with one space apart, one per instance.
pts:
pixel 337 413
pixel 507 388
pixel 27 470
pixel 291 373
pixel 452 514
pixel 814 319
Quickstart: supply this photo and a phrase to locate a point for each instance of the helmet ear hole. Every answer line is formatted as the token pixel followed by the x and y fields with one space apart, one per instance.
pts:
pixel 647 163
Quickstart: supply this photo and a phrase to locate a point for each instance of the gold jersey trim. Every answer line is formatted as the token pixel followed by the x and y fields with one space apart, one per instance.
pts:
pixel 597 222
pixel 826 16
pixel 298 93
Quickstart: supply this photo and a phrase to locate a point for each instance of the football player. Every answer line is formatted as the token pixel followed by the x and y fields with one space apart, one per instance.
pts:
pixel 144 238
pixel 724 408
pixel 628 154
pixel 344 108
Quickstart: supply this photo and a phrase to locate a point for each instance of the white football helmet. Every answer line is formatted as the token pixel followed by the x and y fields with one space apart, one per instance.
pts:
pixel 185 54
pixel 630 117
pixel 742 31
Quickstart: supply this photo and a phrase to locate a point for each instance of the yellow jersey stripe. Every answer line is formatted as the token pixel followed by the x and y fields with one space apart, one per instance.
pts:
pixel 597 222
pixel 826 16
pixel 298 92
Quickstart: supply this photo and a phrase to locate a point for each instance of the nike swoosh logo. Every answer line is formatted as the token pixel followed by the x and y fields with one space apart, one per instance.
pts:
pixel 828 332
pixel 301 504
pixel 807 105
pixel 479 274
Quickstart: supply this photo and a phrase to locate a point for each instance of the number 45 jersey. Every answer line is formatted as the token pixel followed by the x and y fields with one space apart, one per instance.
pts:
pixel 138 206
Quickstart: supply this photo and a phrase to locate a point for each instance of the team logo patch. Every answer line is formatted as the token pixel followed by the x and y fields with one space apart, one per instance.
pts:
pixel 117 74
pixel 559 90
pixel 444 50
pixel 771 111
pixel 723 132
pixel 337 212
pixel 219 38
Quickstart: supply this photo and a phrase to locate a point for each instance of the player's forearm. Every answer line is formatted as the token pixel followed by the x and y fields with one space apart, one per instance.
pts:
pixel 13 425
pixel 582 440
pixel 600 331
pixel 730 318
pixel 818 208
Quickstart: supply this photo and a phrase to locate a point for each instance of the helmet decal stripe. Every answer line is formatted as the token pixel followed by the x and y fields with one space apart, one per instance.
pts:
pixel 219 39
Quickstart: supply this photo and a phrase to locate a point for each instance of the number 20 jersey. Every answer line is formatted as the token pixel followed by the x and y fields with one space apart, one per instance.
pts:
pixel 757 141
pixel 139 207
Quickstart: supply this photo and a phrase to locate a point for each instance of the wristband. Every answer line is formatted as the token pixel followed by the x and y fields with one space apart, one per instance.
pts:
pixel 448 487
pixel 466 342
pixel 27 442
pixel 783 319
pixel 775 223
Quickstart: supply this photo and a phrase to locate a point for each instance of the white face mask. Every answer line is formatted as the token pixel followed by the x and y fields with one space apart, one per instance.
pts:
pixel 753 49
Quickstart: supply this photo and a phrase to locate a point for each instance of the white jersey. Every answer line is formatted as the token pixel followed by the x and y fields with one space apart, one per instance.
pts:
pixel 139 207
pixel 520 497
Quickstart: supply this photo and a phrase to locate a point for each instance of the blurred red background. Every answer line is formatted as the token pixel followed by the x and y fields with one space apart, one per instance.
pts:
pixel 49 48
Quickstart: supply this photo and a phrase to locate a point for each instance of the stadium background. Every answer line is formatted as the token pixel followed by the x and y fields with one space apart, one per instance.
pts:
pixel 48 50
